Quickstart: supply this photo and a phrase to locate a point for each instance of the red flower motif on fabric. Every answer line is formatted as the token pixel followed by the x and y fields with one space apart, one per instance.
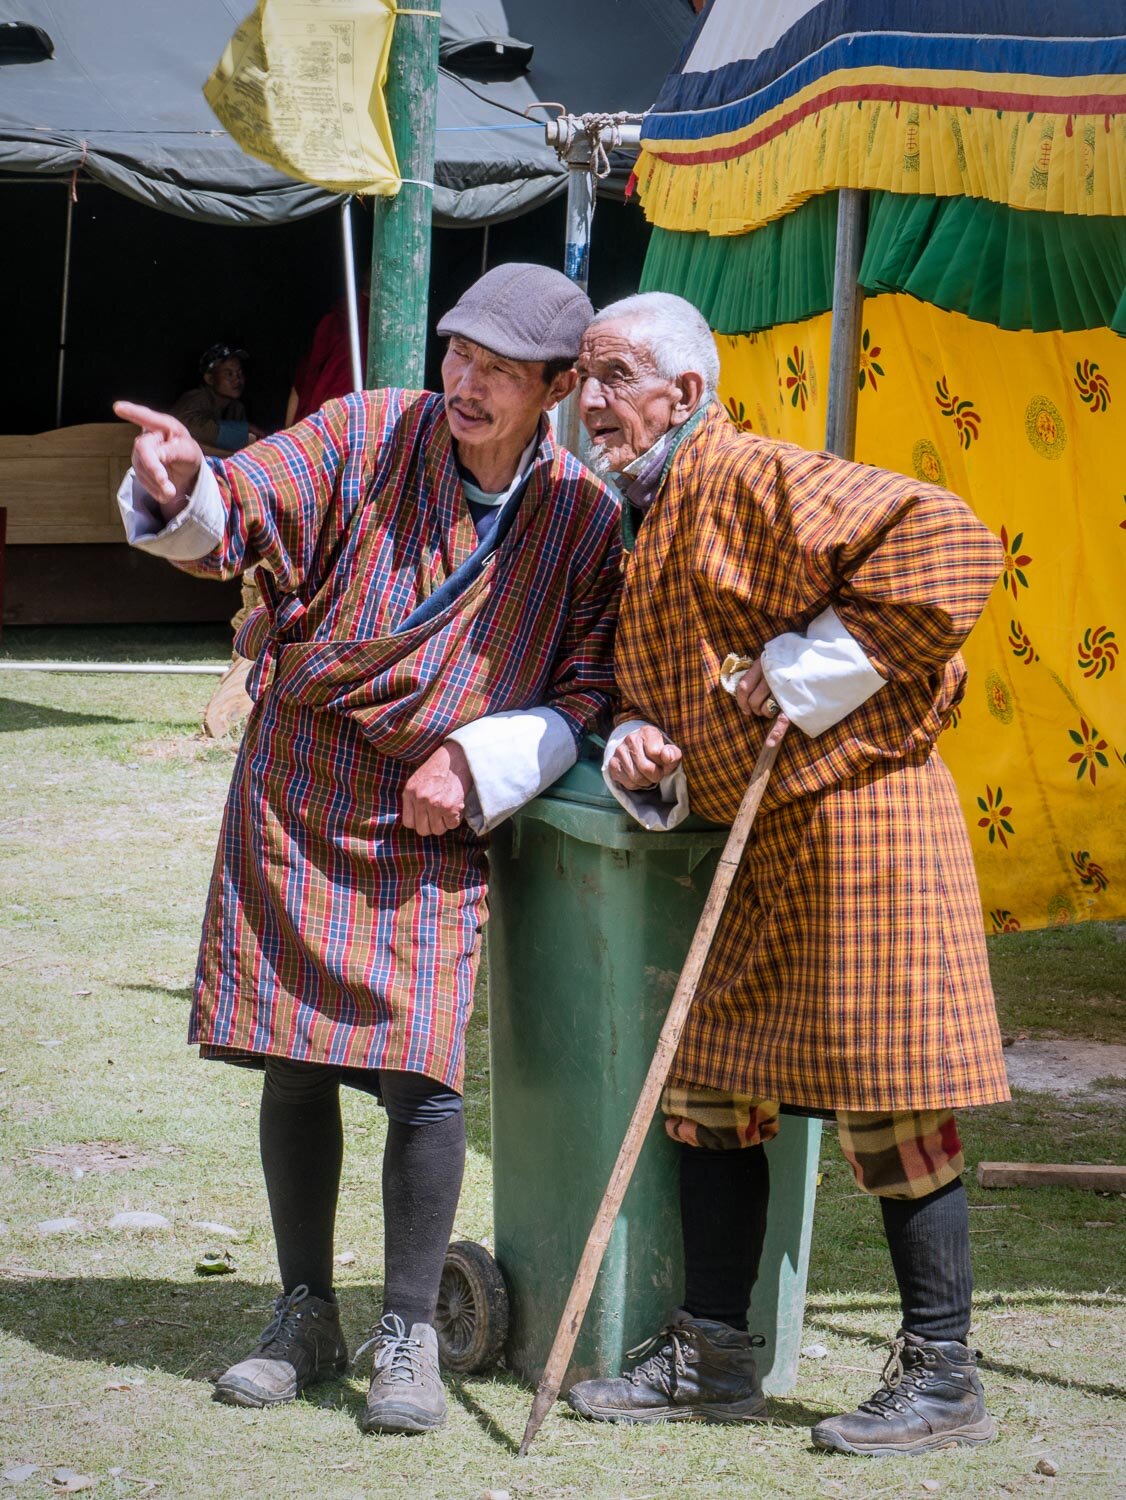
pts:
pixel 1097 652
pixel 1092 385
pixel 1022 647
pixel 1015 562
pixel 797 381
pixel 738 414
pixel 869 368
pixel 996 819
pixel 967 422
pixel 1088 871
pixel 1003 920
pixel 1090 752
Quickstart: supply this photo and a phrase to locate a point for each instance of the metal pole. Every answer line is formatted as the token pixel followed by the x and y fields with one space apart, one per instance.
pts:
pixel 400 250
pixel 576 261
pixel 582 142
pixel 580 210
pixel 350 293
pixel 848 309
pixel 65 302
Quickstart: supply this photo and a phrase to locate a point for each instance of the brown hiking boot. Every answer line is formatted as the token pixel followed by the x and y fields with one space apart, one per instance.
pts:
pixel 701 1371
pixel 301 1344
pixel 406 1392
pixel 931 1397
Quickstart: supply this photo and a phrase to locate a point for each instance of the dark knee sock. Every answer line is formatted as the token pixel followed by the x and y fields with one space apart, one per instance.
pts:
pixel 723 1203
pixel 930 1250
pixel 422 1171
pixel 302 1147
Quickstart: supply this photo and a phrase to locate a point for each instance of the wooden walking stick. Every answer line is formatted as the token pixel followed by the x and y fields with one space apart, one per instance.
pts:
pixel 583 1285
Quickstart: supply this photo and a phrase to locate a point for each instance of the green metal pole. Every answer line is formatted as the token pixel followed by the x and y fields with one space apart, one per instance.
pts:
pixel 400 250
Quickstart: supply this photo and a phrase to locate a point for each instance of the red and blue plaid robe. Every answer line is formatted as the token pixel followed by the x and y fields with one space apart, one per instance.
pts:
pixel 332 933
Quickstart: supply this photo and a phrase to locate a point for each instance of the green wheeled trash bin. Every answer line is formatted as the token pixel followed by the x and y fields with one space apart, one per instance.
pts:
pixel 591 919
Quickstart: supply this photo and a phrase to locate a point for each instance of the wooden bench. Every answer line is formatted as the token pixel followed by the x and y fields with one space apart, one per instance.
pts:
pixel 67 558
pixel 61 486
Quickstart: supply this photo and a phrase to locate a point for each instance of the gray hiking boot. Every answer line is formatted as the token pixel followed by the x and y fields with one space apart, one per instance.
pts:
pixel 406 1392
pixel 931 1397
pixel 701 1371
pixel 301 1344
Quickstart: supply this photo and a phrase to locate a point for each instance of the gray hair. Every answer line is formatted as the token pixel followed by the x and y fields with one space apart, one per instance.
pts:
pixel 673 331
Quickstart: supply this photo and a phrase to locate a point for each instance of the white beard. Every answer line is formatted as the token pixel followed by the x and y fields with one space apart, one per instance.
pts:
pixel 599 461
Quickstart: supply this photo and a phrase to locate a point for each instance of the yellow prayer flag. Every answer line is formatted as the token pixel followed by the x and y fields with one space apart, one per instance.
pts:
pixel 300 86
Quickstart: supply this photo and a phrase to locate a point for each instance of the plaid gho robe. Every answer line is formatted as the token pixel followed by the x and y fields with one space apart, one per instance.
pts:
pixel 849 970
pixel 333 934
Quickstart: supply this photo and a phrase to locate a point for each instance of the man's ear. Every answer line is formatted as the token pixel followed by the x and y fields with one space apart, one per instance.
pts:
pixel 691 389
pixel 560 388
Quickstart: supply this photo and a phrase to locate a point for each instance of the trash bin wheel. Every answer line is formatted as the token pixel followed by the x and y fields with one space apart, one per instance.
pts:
pixel 472 1317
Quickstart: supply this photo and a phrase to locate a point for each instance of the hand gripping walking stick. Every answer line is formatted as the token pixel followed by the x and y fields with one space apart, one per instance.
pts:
pixel 583 1285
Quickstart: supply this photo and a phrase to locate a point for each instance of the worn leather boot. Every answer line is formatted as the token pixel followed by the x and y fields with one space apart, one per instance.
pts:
pixel 931 1397
pixel 406 1392
pixel 700 1371
pixel 301 1344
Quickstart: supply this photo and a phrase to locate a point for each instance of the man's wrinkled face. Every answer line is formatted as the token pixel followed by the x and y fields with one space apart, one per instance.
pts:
pixel 624 403
pixel 491 400
pixel 227 378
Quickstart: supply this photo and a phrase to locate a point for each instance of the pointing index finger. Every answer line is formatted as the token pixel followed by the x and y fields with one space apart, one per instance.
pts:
pixel 142 416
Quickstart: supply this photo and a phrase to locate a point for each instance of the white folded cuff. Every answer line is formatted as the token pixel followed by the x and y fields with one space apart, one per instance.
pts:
pixel 187 537
pixel 513 757
pixel 659 809
pixel 819 678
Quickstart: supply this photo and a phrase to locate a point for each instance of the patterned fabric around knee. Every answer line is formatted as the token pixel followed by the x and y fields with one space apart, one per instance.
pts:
pixel 901 1154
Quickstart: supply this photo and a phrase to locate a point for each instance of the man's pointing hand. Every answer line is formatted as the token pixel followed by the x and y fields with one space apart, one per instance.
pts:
pixel 166 458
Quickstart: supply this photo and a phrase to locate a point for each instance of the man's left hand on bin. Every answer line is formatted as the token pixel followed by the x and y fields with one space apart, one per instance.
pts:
pixel 643 759
pixel 434 797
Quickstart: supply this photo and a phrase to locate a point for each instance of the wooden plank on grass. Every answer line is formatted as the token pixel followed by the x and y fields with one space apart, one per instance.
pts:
pixel 1051 1174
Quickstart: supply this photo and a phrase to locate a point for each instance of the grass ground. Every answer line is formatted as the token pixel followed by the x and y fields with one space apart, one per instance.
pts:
pixel 107 826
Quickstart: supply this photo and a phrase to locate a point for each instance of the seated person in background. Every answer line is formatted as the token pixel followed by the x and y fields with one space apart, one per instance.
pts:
pixel 213 412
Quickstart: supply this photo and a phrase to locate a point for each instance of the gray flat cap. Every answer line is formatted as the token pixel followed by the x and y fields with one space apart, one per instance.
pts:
pixel 522 311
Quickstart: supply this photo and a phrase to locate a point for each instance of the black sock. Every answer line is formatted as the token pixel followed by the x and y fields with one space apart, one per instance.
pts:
pixel 422 1171
pixel 723 1203
pixel 302 1145
pixel 930 1250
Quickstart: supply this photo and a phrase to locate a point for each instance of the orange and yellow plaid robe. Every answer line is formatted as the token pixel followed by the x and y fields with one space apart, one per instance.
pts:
pixel 849 970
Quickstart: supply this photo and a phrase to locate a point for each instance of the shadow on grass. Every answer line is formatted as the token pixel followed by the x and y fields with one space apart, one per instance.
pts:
pixel 16 715
pixel 173 991
pixel 997 1367
pixel 192 1329
pixel 459 1391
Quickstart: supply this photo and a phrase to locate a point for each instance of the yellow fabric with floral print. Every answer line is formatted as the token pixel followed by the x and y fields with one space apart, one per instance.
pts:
pixel 1027 428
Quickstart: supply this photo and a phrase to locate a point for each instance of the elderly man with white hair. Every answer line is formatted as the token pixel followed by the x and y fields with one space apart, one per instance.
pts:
pixel 848 976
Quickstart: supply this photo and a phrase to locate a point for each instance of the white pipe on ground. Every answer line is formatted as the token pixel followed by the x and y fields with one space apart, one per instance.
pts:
pixel 156 667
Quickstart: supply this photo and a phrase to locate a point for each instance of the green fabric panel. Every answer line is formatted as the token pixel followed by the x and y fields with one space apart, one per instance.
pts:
pixel 1000 265
pixel 777 274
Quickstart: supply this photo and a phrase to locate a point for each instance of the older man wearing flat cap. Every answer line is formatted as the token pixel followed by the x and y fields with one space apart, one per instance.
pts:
pixel 440 583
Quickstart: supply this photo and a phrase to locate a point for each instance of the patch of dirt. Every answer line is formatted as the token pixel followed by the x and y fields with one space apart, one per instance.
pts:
pixel 1067 1065
pixel 25 1110
pixel 95 1156
pixel 189 748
